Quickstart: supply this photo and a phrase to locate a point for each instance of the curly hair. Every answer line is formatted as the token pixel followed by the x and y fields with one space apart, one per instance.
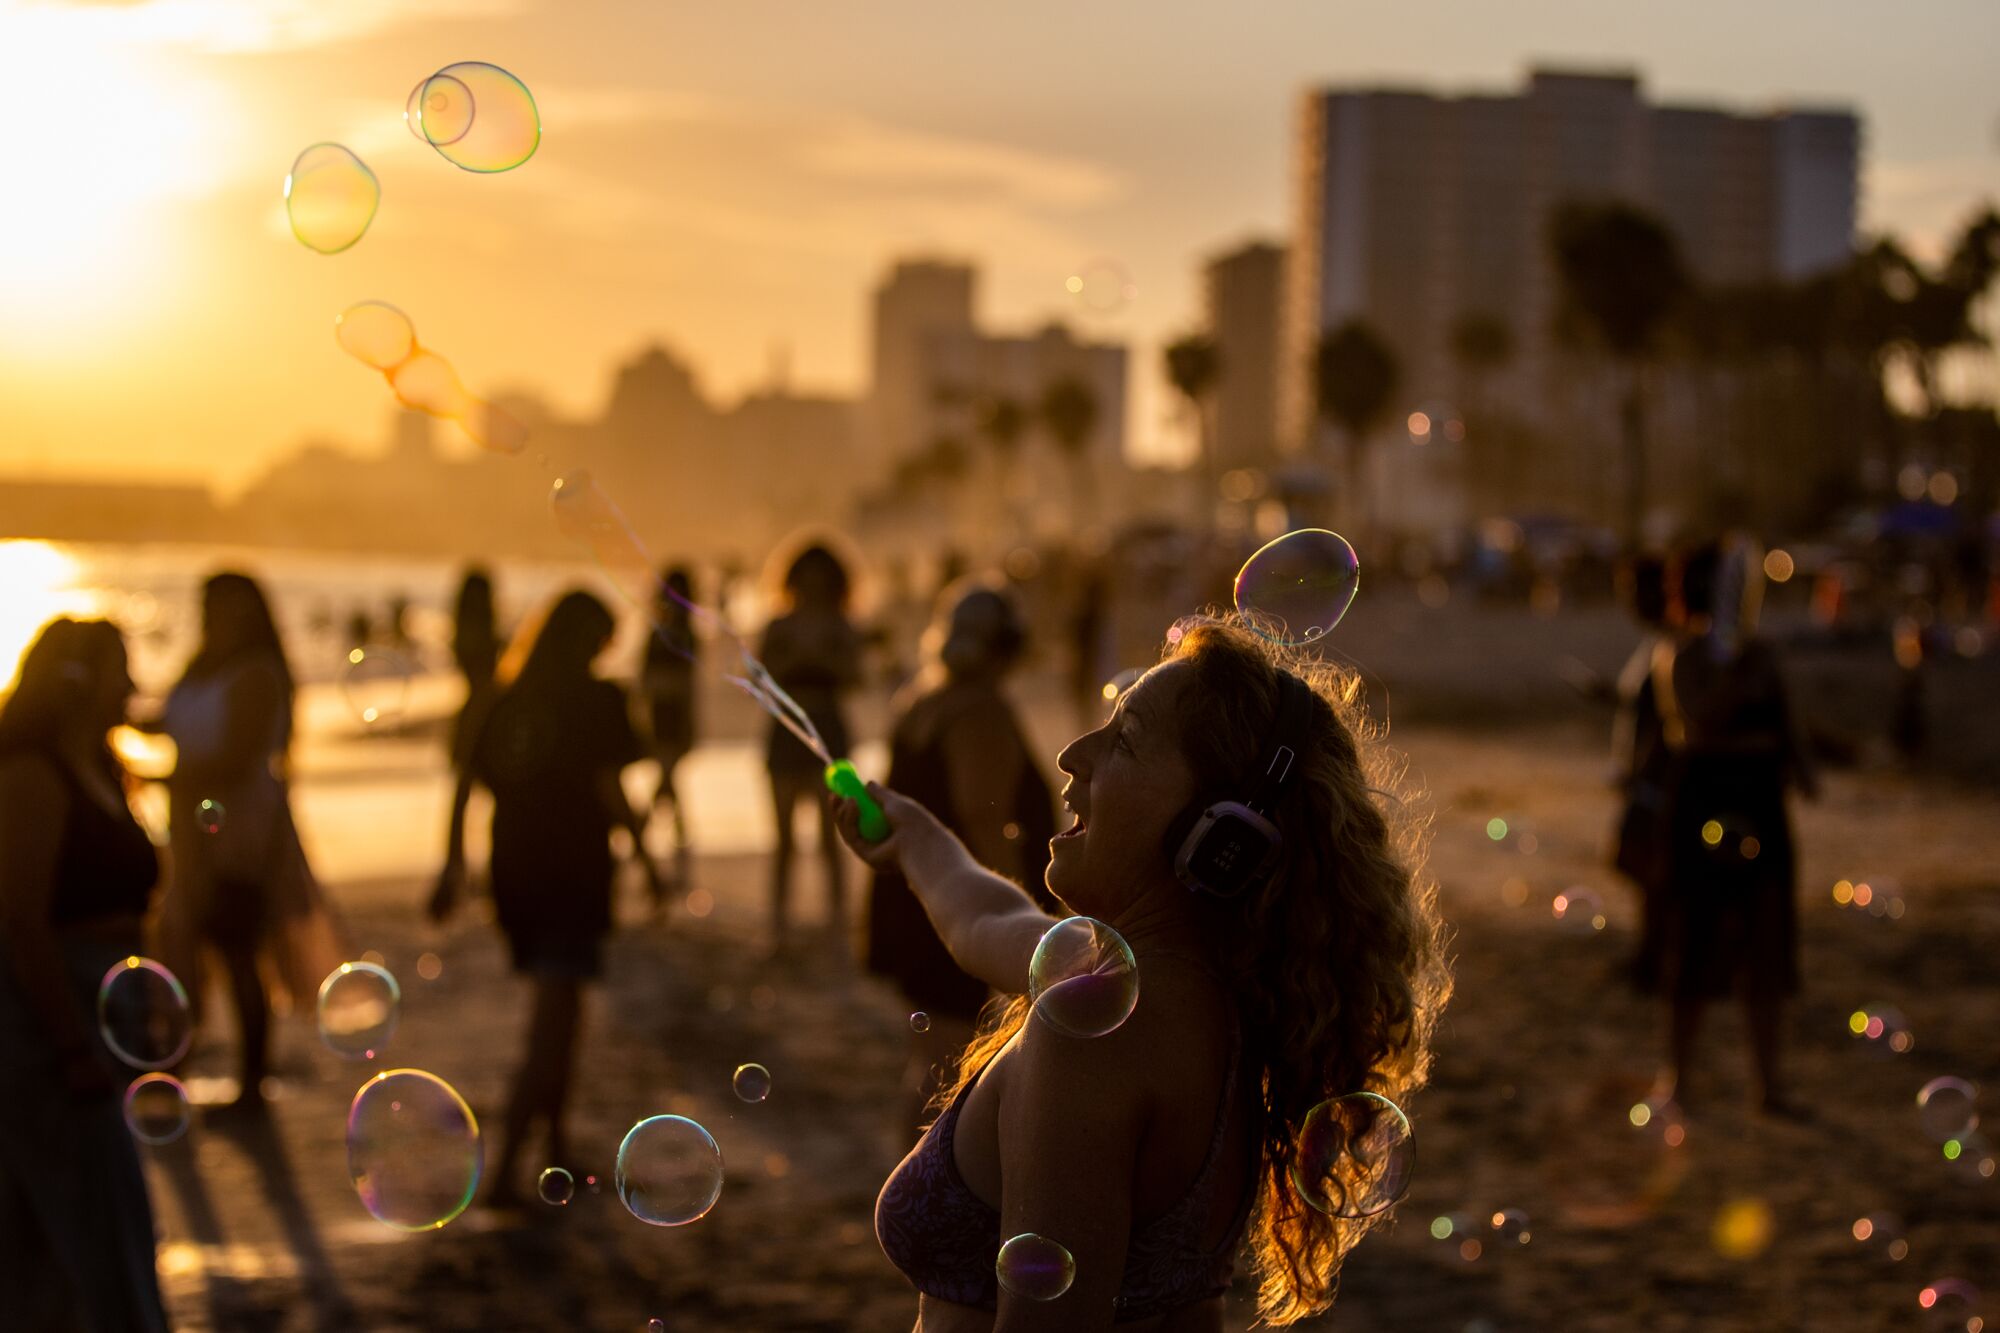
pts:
pixel 1337 962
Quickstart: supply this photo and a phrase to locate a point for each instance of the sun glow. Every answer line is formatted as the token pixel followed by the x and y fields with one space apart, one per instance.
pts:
pixel 37 582
pixel 102 134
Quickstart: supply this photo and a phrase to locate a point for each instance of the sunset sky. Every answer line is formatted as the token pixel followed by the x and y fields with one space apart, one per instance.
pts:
pixel 731 178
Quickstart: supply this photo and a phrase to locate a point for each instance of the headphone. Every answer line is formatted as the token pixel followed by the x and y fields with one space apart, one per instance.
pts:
pixel 1233 845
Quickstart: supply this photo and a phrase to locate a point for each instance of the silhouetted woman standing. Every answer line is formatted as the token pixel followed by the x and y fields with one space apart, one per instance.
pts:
pixel 240 878
pixel 813 652
pixel 958 750
pixel 666 699
pixel 475 647
pixel 76 874
pixel 550 750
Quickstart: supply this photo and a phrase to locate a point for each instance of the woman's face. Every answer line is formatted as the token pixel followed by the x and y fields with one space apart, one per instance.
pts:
pixel 1128 780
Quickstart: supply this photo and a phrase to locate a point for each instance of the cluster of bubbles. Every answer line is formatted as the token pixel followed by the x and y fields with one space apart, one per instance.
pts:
pixel 1472 1234
pixel 1881 1237
pixel 413 1150
pixel 751 1082
pixel 359 1005
pixel 209 816
pixel 1034 1267
pixel 476 116
pixel 1883 1028
pixel 1296 589
pixel 669 1171
pixel 1083 980
pixel 381 337
pixel 1881 899
pixel 1355 1155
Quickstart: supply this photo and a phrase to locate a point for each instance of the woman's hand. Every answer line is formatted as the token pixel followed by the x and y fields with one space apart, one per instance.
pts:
pixel 910 826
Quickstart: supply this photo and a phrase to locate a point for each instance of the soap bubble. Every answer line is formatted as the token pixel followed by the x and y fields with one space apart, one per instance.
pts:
pixel 426 382
pixel 156 1108
pixel 1355 1155
pixel 1034 1267
pixel 359 1004
pixel 1510 1225
pixel 143 1014
pixel 1299 586
pixel 669 1171
pixel 330 197
pixel 1948 1108
pixel 439 110
pixel 413 1149
pixel 1101 286
pixel 752 1082
pixel 656 1325
pixel 1971 1158
pixel 493 428
pixel 556 1186
pixel 1580 910
pixel 376 685
pixel 1951 1303
pixel 920 1021
pixel 209 816
pixel 502 129
pixel 376 334
pixel 1083 979
pixel 1881 1237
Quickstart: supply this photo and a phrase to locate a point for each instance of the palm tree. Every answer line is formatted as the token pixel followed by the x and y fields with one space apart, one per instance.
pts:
pixel 1069 413
pixel 1354 378
pixel 1621 276
pixel 1194 366
pixel 1004 422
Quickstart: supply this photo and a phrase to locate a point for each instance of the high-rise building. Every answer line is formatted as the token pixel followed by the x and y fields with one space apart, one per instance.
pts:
pixel 920 299
pixel 1414 210
pixel 1242 292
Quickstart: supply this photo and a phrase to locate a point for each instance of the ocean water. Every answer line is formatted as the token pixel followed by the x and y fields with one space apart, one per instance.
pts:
pixel 373 801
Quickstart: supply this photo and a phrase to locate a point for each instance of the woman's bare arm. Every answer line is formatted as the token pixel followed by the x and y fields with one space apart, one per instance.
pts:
pixel 989 925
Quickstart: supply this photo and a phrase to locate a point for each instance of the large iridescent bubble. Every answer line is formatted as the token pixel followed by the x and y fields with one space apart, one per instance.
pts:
pixel 669 1171
pixel 1034 1267
pixel 143 1014
pixel 359 1005
pixel 413 1149
pixel 1297 588
pixel 330 198
pixel 1355 1155
pixel 1083 979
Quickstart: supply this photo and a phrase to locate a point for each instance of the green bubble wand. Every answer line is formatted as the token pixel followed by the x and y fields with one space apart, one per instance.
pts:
pixel 587 516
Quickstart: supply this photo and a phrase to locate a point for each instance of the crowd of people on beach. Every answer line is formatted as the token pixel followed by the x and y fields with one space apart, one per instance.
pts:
pixel 1234 819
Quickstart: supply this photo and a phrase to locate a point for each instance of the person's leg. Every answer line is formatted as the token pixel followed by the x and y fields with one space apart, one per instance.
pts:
pixel 682 852
pixel 559 1022
pixel 1765 1013
pixel 535 1085
pixel 782 804
pixel 1685 1026
pixel 253 1017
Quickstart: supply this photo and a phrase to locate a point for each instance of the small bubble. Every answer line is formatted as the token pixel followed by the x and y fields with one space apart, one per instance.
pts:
pixel 556 1186
pixel 1035 1267
pixel 920 1021
pixel 209 816
pixel 752 1082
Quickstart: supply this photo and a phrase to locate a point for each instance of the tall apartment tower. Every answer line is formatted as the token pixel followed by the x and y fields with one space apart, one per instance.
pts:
pixel 1242 297
pixel 1413 210
pixel 920 300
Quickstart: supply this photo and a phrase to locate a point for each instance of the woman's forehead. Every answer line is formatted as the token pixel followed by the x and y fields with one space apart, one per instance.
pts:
pixel 1155 693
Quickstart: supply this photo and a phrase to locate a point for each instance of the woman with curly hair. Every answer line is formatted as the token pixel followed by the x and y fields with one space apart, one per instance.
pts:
pixel 1269 984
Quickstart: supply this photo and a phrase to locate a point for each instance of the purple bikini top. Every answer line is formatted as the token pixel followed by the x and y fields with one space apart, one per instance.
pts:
pixel 946 1239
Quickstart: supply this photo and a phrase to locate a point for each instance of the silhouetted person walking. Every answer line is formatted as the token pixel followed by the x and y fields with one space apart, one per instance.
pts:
pixel 959 751
pixel 666 700
pixel 550 750
pixel 813 652
pixel 1641 761
pixel 76 874
pixel 1731 922
pixel 475 649
pixel 240 878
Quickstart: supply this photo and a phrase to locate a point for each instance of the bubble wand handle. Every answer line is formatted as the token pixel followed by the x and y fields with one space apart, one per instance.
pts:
pixel 842 780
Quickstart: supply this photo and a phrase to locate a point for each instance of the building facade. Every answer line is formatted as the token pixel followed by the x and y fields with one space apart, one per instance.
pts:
pixel 1242 292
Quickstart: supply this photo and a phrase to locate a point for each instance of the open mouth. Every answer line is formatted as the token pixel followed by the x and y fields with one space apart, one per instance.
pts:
pixel 1073 831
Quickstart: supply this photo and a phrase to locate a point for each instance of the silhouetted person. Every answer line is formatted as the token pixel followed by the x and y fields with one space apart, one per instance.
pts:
pixel 1731 919
pixel 551 750
pixel 76 874
pixel 475 648
pixel 240 878
pixel 1641 762
pixel 1086 626
pixel 959 751
pixel 666 699
pixel 814 654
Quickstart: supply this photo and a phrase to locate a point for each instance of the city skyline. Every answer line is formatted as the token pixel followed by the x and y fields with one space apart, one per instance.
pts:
pixel 729 184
